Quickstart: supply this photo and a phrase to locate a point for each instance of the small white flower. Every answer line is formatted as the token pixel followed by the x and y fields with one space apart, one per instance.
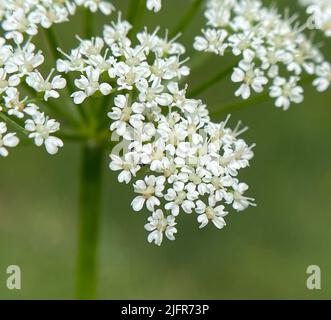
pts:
pixel 181 196
pixel 251 77
pixel 286 92
pixel 154 5
pixel 212 41
pixel 89 85
pixel 150 189
pixel 8 140
pixel 128 166
pixel 210 213
pixel 241 202
pixel 6 82
pixel 24 60
pixel 13 103
pixel 48 86
pixel 124 115
pixel 41 128
pixel 159 224
pixel 323 80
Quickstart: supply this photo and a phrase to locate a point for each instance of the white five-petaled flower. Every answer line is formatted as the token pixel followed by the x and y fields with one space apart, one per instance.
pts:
pixel 41 128
pixel 210 213
pixel 129 165
pixel 159 224
pixel 251 78
pixel 149 189
pixel 89 85
pixel 286 92
pixel 48 86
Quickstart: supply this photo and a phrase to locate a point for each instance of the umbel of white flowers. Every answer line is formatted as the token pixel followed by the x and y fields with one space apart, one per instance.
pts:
pixel 192 164
pixel 178 161
pixel 272 51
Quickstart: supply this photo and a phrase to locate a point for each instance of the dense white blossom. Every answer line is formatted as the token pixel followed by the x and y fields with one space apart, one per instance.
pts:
pixel 164 144
pixel 26 17
pixel 19 63
pixel 268 47
pixel 177 160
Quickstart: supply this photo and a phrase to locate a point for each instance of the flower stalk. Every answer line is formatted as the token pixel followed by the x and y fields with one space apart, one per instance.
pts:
pixel 89 208
pixel 187 17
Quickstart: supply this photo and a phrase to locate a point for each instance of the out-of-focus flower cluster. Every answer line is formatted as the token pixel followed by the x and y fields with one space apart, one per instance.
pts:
pixel 178 161
pixel 320 14
pixel 272 51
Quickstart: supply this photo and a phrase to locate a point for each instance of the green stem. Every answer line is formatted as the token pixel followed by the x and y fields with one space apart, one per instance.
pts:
pixel 90 207
pixel 211 82
pixel 256 100
pixel 135 13
pixel 187 18
pixel 14 124
pixel 54 108
pixel 88 24
pixel 53 44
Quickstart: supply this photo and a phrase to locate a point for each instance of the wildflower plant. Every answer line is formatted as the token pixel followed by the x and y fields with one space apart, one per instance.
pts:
pixel 126 93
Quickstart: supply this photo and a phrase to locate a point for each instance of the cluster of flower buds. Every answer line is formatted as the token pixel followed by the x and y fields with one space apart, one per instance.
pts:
pixel 178 161
pixel 273 53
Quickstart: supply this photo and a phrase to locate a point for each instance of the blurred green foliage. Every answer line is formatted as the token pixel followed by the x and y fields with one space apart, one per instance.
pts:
pixel 262 253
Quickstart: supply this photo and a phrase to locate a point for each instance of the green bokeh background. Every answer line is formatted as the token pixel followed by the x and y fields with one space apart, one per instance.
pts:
pixel 262 253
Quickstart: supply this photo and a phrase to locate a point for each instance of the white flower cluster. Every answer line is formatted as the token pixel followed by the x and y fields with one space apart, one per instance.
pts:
pixel 26 16
pixel 273 52
pixel 179 161
pixel 19 63
pixel 320 14
pixel 18 69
